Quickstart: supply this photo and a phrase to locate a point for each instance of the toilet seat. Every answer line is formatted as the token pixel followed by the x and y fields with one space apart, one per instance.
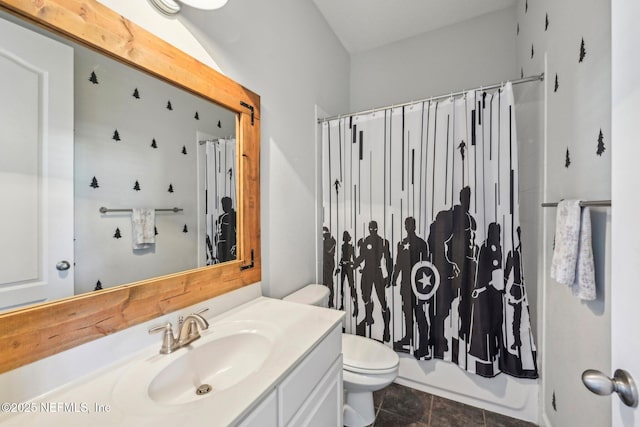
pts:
pixel 367 356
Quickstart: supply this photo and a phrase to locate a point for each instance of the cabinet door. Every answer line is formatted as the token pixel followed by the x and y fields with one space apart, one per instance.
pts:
pixel 323 408
pixel 265 415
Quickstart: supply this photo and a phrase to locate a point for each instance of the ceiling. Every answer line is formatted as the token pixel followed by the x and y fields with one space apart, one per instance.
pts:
pixel 366 24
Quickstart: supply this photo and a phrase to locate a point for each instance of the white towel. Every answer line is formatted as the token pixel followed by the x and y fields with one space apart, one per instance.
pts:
pixel 143 224
pixel 572 262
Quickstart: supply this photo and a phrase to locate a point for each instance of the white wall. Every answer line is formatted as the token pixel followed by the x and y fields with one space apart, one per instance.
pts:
pixel 462 56
pixel 293 61
pixel 573 335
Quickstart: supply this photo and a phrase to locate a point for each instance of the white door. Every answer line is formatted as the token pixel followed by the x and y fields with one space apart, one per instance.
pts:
pixel 625 283
pixel 36 167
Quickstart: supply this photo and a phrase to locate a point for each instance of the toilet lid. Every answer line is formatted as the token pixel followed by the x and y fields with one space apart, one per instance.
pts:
pixel 361 354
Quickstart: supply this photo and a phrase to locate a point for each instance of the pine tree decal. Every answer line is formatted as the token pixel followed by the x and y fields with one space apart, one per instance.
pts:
pixel 117 234
pixel 518 29
pixel 153 143
pixel 197 116
pixel 583 51
pixel 98 286
pixel 567 160
pixel 601 148
pixel 170 188
pixel 557 85
pixel 184 150
pixel 521 73
pixel 116 135
pixel 94 183
pixel 184 229
pixel 136 94
pixel 526 6
pixel 553 402
pixel 93 79
pixel 219 124
pixel 169 106
pixel 136 186
pixel 532 51
pixel 155 231
pixel 546 22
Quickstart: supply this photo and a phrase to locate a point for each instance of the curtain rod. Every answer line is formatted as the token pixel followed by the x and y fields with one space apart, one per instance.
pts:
pixel 582 204
pixel 216 139
pixel 539 77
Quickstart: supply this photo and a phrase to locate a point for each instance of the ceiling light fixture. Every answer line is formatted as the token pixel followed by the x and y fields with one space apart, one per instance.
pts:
pixel 171 7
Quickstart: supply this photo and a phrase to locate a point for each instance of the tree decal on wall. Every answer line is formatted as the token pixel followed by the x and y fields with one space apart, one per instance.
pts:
pixel 154 144
pixel 518 29
pixel 184 150
pixel 94 183
pixel 526 6
pixel 556 85
pixel 98 286
pixel 136 94
pixel 169 106
pixel 136 186
pixel 583 51
pixel 546 22
pixel 185 229
pixel 155 231
pixel 93 79
pixel 601 147
pixel 170 190
pixel 219 124
pixel 521 72
pixel 532 51
pixel 567 160
pixel 117 234
pixel 197 116
pixel 553 402
pixel 116 135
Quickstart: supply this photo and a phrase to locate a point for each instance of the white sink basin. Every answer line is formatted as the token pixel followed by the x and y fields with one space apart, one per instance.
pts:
pixel 211 367
pixel 225 356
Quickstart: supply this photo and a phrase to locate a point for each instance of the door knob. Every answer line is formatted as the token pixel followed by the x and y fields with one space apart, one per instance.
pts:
pixel 621 383
pixel 63 265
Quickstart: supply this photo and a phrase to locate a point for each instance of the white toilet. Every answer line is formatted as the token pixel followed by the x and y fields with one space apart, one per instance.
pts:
pixel 367 364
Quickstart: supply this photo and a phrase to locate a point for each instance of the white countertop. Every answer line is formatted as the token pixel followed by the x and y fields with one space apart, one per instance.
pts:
pixel 96 400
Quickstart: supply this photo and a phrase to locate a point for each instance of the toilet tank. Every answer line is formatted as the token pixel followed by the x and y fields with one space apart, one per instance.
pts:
pixel 310 295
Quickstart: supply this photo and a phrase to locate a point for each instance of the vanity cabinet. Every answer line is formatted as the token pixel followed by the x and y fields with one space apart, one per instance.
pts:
pixel 310 394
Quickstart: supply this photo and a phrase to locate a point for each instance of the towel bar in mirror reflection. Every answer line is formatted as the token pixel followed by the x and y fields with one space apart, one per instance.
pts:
pixel 603 203
pixel 128 154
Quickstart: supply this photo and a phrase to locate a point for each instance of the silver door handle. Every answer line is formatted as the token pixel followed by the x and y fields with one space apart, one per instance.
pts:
pixel 621 383
pixel 63 265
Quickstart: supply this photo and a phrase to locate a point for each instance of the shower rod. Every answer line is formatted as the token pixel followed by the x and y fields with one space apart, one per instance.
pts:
pixel 539 77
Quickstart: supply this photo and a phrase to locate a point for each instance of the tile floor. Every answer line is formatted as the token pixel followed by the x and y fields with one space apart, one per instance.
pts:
pixel 399 406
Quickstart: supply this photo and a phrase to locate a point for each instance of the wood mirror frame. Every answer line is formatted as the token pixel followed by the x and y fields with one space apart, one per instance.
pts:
pixel 33 333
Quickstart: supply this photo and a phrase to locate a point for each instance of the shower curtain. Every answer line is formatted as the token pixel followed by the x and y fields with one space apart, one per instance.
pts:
pixel 421 231
pixel 220 187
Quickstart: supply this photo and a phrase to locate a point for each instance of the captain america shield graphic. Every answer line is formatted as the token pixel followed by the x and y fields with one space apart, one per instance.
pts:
pixel 425 280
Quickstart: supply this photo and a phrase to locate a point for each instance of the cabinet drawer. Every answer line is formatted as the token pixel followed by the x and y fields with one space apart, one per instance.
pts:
pixel 297 387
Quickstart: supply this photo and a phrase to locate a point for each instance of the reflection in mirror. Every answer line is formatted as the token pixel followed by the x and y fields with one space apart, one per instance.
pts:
pixel 159 160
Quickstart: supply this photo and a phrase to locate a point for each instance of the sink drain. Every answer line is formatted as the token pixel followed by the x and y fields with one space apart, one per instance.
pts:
pixel 203 389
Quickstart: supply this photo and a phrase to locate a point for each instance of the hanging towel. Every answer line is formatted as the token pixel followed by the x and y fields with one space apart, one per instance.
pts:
pixel 143 222
pixel 572 262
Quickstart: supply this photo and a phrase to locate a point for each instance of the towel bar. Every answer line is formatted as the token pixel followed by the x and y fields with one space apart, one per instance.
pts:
pixel 582 204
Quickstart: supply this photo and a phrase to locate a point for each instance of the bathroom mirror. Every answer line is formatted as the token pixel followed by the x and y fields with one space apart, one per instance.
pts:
pixel 228 183
pixel 135 142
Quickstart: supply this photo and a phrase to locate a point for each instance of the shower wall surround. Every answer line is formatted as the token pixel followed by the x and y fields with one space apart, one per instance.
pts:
pixel 571 42
pixel 136 146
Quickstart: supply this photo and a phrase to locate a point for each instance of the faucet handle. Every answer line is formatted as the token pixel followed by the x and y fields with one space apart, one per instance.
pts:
pixel 168 339
pixel 203 310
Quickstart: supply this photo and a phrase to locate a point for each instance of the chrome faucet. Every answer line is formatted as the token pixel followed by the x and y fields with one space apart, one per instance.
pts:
pixel 189 331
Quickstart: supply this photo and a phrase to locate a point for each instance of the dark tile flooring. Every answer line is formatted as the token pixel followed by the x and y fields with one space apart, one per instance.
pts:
pixel 400 406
